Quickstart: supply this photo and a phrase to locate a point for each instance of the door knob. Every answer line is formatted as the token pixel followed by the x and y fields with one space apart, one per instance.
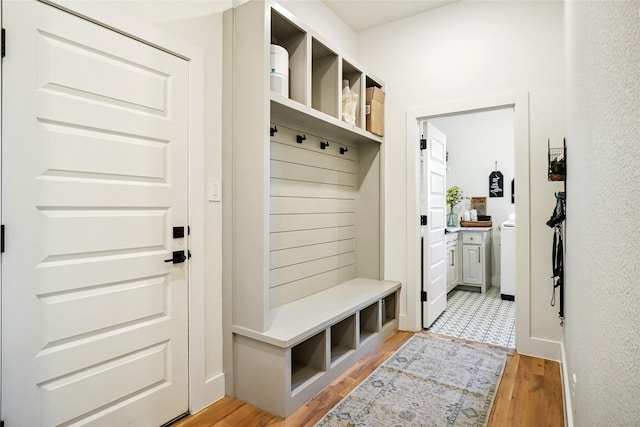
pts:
pixel 178 257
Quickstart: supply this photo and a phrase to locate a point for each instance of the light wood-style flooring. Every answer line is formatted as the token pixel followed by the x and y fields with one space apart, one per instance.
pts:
pixel 529 395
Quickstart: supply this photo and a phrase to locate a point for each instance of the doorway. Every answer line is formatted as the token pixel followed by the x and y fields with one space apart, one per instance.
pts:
pixel 480 145
pixel 519 105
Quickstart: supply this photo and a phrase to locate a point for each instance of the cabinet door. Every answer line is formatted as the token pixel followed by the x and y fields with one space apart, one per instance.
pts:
pixel 472 272
pixel 452 269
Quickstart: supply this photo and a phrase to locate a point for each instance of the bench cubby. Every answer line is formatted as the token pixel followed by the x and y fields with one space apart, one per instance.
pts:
pixel 308 359
pixel 389 305
pixel 369 321
pixel 343 338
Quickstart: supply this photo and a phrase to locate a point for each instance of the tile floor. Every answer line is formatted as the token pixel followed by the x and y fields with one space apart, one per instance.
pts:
pixel 476 317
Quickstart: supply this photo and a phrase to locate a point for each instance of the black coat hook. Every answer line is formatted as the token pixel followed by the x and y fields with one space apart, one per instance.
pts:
pixel 324 145
pixel 343 150
pixel 300 138
pixel 273 130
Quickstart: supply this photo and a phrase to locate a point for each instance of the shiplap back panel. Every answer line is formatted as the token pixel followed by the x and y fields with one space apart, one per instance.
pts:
pixel 312 216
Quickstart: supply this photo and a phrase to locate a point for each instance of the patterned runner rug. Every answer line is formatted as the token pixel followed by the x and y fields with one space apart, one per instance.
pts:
pixel 430 381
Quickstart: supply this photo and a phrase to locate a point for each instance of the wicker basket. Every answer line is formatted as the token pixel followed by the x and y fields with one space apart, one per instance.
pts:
pixel 476 223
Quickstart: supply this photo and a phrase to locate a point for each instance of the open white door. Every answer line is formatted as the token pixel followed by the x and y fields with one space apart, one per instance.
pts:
pixel 433 206
pixel 94 175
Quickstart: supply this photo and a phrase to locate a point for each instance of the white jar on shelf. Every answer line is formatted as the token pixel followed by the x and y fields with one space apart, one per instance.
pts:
pixel 279 70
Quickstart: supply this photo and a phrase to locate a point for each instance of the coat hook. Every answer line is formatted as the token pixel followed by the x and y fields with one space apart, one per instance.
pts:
pixel 343 150
pixel 273 130
pixel 324 145
pixel 300 138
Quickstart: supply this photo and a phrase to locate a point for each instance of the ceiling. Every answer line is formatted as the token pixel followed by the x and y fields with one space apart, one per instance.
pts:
pixel 364 14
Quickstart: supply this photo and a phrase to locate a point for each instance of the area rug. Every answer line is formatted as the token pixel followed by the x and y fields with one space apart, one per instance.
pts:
pixel 430 381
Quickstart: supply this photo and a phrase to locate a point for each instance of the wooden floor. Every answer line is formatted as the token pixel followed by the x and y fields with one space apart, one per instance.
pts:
pixel 530 394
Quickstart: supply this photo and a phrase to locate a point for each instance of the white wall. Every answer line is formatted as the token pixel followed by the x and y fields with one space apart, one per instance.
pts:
pixel 317 16
pixel 475 141
pixel 474 50
pixel 200 23
pixel 603 217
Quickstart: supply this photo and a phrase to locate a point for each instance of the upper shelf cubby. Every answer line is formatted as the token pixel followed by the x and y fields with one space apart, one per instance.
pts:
pixel 316 72
pixel 288 35
pixel 373 83
pixel 352 76
pixel 324 79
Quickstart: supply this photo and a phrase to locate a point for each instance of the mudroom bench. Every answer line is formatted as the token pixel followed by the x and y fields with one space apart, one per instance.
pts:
pixel 311 341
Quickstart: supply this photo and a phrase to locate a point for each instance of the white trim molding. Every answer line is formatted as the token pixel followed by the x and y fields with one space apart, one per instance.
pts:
pixel 410 305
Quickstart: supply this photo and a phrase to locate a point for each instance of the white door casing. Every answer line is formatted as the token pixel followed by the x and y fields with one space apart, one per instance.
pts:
pixel 433 205
pixel 410 305
pixel 94 178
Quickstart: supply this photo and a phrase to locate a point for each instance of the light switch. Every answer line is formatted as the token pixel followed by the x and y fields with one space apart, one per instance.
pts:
pixel 215 190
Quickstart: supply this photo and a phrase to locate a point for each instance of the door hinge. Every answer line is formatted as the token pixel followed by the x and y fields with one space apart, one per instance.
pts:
pixel 423 144
pixel 4 36
pixel 423 296
pixel 1 250
pixel 423 220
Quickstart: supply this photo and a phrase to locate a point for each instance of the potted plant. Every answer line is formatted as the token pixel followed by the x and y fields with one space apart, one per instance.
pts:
pixel 557 169
pixel 454 196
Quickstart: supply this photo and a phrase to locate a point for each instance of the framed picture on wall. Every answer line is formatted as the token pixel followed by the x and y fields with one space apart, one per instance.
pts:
pixel 496 184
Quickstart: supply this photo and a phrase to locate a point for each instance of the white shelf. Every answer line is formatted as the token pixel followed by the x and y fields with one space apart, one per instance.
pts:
pixel 291 341
pixel 293 113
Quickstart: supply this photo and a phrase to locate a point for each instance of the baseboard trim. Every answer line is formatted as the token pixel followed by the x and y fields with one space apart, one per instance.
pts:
pixel 566 388
pixel 215 387
pixel 538 347
pixel 214 390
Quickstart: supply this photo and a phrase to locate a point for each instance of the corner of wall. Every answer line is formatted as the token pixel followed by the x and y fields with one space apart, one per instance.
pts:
pixel 566 388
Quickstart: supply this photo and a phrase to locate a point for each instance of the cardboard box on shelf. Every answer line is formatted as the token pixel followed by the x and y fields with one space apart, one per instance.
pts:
pixel 375 110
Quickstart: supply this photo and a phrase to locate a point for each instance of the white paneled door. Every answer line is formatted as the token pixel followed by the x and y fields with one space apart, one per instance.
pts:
pixel 94 178
pixel 433 205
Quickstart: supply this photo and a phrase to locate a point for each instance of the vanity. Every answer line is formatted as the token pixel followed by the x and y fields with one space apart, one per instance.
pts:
pixel 469 257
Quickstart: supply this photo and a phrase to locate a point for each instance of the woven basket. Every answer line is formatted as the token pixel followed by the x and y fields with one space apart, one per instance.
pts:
pixel 476 223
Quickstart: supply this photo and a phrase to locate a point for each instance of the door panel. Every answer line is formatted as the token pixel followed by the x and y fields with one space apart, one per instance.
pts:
pixel 94 327
pixel 433 198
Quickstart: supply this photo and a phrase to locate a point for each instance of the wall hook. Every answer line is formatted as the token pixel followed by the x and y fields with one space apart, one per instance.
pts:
pixel 324 145
pixel 300 138
pixel 273 130
pixel 343 150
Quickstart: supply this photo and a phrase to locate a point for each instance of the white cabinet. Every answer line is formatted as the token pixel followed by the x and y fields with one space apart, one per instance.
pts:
pixel 305 212
pixel 476 258
pixel 453 264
